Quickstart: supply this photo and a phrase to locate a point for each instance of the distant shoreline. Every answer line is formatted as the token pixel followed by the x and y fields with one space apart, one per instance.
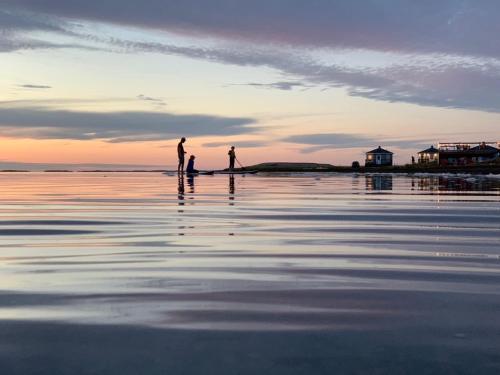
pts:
pixel 303 168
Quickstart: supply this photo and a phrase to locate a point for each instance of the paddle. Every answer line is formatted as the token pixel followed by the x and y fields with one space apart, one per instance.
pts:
pixel 242 167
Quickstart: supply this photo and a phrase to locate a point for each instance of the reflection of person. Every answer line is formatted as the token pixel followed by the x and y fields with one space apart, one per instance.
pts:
pixel 231 184
pixel 180 154
pixel 231 189
pixel 232 157
pixel 180 190
pixel 190 181
pixel 190 166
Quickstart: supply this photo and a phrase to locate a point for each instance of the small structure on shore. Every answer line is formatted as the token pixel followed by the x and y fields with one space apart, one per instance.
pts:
pixel 429 156
pixel 467 153
pixel 378 157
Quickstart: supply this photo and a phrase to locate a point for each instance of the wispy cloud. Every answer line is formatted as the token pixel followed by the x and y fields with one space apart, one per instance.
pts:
pixel 280 85
pixel 156 101
pixel 431 81
pixel 36 87
pixel 437 54
pixel 449 26
pixel 17 28
pixel 23 43
pixel 318 142
pixel 127 126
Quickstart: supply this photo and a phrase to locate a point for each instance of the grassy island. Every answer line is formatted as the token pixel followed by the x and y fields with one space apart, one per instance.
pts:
pixel 409 168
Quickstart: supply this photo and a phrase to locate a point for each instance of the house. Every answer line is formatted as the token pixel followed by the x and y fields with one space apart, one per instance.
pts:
pixel 428 156
pixel 378 157
pixel 484 153
pixel 467 153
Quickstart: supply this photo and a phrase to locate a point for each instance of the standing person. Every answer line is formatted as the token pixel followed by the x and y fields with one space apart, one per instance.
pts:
pixel 180 154
pixel 232 157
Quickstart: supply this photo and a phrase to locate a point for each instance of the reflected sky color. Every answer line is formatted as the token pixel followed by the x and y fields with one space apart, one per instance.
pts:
pixel 199 252
pixel 121 81
pixel 114 272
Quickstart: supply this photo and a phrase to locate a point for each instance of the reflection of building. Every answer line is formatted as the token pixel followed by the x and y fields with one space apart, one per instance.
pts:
pixel 467 153
pixel 455 183
pixel 378 157
pixel 428 156
pixel 378 182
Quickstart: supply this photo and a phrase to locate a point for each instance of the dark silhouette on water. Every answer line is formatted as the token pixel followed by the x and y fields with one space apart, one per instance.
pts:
pixel 180 154
pixel 190 181
pixel 190 165
pixel 231 189
pixel 180 190
pixel 232 158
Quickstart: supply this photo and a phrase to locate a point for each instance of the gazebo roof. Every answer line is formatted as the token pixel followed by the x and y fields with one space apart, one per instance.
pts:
pixel 379 150
pixel 430 150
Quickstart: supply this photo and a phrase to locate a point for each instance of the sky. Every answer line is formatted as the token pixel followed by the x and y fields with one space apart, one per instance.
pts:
pixel 120 81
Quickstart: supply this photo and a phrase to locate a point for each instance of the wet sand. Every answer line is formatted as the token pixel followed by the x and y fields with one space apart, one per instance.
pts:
pixel 282 274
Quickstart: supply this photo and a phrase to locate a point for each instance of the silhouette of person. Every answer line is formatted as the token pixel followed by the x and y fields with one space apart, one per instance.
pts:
pixel 190 166
pixel 232 157
pixel 413 159
pixel 180 154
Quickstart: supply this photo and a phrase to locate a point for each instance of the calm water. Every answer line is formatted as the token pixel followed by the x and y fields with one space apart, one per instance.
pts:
pixel 284 274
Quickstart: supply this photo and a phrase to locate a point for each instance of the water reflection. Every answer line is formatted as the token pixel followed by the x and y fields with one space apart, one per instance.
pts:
pixel 378 182
pixel 298 252
pixel 180 190
pixel 231 190
pixel 190 181
pixel 456 183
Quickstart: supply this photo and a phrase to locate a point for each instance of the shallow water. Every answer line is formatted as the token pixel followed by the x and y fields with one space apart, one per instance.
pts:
pixel 289 273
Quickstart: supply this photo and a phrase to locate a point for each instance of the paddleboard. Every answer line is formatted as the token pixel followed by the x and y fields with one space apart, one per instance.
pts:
pixel 209 173
pixel 236 172
pixel 201 173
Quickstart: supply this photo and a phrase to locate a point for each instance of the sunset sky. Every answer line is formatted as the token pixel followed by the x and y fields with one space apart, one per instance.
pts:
pixel 120 81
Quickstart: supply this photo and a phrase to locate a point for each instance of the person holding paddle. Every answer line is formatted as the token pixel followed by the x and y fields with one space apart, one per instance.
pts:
pixel 232 157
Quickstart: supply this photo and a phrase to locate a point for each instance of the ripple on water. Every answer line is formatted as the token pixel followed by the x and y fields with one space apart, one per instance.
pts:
pixel 257 253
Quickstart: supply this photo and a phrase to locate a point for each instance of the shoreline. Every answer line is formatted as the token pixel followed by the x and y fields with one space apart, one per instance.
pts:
pixel 302 168
pixel 403 169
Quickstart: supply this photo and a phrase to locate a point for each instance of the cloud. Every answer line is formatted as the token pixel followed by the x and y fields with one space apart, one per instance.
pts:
pixel 149 98
pixel 439 81
pixel 30 86
pixel 14 20
pixel 21 30
pixel 13 24
pixel 447 26
pixel 320 142
pixel 128 126
pixel 155 101
pixel 16 43
pixel 280 85
pixel 434 53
